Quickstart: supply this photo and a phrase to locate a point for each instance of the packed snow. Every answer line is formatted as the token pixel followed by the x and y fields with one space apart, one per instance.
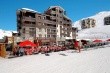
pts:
pixel 90 61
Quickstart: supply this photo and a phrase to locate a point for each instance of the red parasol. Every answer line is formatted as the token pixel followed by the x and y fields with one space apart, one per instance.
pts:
pixel 108 39
pixel 27 43
pixel 97 40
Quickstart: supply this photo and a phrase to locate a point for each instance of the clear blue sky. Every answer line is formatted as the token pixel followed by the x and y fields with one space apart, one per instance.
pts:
pixel 76 9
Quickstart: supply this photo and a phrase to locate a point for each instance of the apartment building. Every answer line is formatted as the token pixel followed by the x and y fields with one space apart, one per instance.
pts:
pixel 52 26
pixel 107 20
pixel 88 23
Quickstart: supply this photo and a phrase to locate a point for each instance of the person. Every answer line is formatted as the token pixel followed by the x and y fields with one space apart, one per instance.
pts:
pixel 80 44
pixel 21 51
pixel 77 46
pixel 15 51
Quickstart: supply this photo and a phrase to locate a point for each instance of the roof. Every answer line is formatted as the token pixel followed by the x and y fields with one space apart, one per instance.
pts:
pixel 66 17
pixel 55 7
pixel 3 40
pixel 5 33
pixel 27 9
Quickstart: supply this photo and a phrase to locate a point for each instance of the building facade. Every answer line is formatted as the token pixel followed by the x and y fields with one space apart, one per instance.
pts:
pixel 107 20
pixel 51 26
pixel 88 23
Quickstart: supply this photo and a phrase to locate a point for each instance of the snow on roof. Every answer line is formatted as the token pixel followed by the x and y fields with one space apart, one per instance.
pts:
pixel 29 9
pixel 55 7
pixel 5 33
pixel 14 31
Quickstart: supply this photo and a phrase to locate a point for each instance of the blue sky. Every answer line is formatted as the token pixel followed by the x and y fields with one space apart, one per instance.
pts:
pixel 76 9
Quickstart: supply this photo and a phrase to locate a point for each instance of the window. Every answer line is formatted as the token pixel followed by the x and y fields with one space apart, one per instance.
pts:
pixel 40 29
pixel 57 15
pixel 43 17
pixel 40 35
pixel 39 17
pixel 48 30
pixel 54 36
pixel 54 9
pixel 54 20
pixel 60 27
pixel 24 38
pixel 60 11
pixel 45 35
pixel 54 14
pixel 33 22
pixel 60 21
pixel 32 29
pixel 32 32
pixel 39 23
pixel 27 22
pixel 48 17
pixel 53 31
pixel 48 36
pixel 23 30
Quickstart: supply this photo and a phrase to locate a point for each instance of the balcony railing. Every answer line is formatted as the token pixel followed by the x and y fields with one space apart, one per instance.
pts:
pixel 29 19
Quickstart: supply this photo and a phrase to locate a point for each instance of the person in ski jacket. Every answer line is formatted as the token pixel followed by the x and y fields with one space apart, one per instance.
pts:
pixel 77 46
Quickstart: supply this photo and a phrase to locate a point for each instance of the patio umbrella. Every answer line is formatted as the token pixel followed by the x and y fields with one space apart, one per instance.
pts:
pixel 108 39
pixel 97 41
pixel 27 43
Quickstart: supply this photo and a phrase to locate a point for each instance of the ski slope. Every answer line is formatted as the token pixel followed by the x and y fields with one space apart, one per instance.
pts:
pixel 100 31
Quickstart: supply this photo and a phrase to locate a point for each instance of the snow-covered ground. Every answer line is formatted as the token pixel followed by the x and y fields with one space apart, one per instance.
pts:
pixel 90 61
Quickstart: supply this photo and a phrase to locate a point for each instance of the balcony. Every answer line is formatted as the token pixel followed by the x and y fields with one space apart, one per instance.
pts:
pixel 29 19
pixel 53 12
pixel 30 25
pixel 53 17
